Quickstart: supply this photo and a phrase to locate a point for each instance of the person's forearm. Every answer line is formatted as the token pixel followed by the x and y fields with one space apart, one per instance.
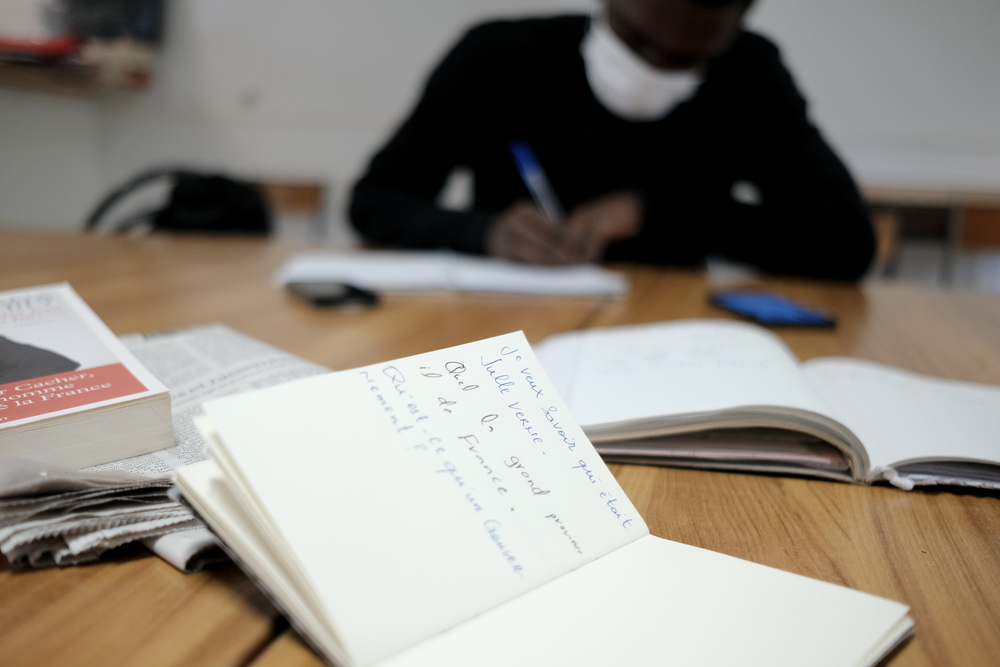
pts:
pixel 826 235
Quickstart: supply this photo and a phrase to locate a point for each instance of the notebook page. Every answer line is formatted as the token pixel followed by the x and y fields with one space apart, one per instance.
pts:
pixel 205 487
pixel 421 492
pixel 642 371
pixel 656 602
pixel 904 416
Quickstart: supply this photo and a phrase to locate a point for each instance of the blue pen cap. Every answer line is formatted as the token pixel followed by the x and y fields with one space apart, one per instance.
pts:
pixel 525 157
pixel 535 180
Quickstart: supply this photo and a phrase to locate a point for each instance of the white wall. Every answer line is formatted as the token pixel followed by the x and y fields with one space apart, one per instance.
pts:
pixel 49 167
pixel 908 90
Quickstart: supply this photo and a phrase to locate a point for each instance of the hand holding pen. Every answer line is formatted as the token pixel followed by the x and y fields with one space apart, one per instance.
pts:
pixel 539 234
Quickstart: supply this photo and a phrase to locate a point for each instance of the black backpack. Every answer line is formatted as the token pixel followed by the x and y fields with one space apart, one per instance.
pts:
pixel 206 203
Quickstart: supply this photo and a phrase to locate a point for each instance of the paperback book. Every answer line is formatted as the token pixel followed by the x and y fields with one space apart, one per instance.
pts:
pixel 70 393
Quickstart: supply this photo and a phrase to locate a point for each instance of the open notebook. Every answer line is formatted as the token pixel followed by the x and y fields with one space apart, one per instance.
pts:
pixel 445 509
pixel 722 394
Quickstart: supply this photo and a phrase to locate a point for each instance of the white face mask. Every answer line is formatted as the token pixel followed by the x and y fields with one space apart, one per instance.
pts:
pixel 626 84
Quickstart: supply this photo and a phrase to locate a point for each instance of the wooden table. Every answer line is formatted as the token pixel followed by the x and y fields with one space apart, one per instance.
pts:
pixel 937 551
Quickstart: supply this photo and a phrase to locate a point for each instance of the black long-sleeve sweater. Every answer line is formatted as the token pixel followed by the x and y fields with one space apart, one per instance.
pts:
pixel 512 80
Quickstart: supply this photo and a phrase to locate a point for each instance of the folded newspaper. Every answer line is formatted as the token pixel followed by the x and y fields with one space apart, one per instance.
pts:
pixel 50 515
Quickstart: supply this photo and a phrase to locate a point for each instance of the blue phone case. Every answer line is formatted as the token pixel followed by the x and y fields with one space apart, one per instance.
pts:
pixel 772 309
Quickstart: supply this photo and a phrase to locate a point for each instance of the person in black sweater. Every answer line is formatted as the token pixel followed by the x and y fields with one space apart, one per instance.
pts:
pixel 667 131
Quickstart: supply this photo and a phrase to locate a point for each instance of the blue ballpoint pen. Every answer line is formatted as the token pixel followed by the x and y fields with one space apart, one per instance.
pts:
pixel 536 181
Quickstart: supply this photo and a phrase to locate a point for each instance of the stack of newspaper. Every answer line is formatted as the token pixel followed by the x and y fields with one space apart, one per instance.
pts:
pixel 50 515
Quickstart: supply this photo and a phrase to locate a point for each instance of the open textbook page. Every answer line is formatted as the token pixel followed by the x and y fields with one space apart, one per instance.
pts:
pixel 467 520
pixel 695 366
pixel 917 430
pixel 730 395
pixel 447 483
pixel 199 364
pixel 631 384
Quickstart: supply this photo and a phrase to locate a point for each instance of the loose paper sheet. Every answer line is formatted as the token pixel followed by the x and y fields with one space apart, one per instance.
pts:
pixel 421 492
pixel 409 271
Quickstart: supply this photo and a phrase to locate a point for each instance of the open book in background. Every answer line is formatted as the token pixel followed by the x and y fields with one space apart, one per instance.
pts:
pixel 70 393
pixel 730 395
pixel 435 271
pixel 445 509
